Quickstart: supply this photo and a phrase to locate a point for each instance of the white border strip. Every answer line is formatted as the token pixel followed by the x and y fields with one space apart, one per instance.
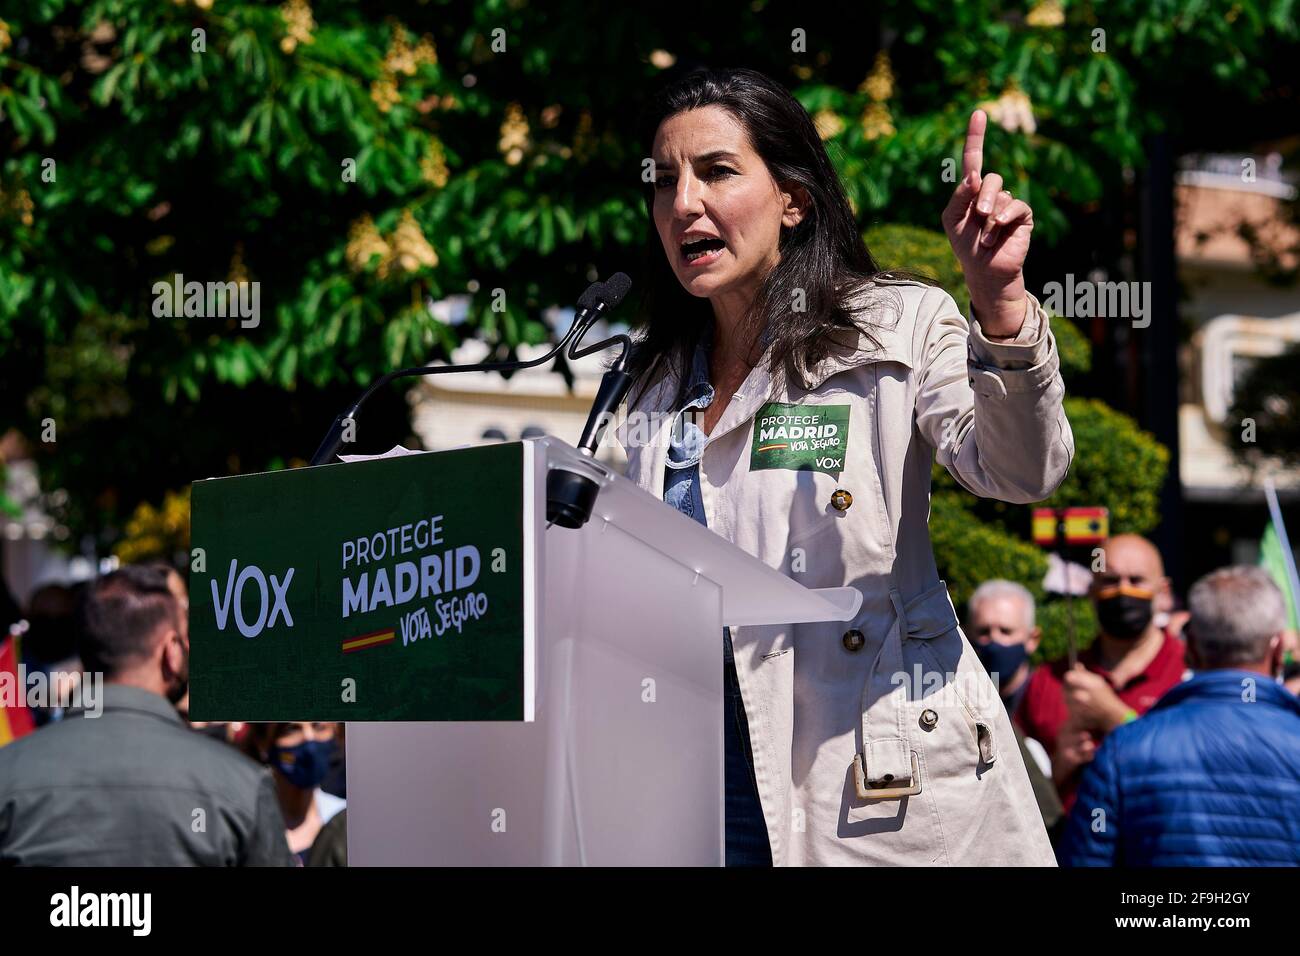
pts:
pixel 530 579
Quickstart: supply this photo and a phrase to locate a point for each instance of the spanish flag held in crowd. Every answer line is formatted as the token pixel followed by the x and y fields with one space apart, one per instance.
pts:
pixel 15 719
pixel 1078 526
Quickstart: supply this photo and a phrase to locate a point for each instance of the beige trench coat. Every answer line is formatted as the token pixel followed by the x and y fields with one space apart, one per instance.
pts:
pixel 890 746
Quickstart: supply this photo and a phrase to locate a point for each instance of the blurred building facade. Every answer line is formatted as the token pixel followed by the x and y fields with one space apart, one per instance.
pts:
pixel 472 408
pixel 1233 316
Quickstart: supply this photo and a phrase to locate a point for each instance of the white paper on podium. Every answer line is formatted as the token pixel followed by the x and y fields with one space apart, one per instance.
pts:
pixel 397 451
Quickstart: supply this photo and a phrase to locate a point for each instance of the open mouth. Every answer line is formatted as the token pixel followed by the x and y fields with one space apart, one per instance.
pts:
pixel 702 251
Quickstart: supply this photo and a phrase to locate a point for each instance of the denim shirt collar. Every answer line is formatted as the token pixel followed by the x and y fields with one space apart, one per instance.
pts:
pixel 686 439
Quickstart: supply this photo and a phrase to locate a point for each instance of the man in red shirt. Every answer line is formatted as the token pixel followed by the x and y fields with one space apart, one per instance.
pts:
pixel 1119 677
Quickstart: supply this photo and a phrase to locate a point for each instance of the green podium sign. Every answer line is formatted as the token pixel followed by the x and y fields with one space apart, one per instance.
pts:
pixel 389 589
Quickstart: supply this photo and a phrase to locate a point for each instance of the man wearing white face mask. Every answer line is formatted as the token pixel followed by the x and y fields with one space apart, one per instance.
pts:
pixel 1211 776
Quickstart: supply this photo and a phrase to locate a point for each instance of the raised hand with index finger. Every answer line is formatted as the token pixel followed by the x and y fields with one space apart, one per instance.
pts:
pixel 989 231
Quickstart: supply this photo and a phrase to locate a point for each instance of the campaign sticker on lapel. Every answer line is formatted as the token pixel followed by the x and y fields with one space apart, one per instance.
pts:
pixel 800 438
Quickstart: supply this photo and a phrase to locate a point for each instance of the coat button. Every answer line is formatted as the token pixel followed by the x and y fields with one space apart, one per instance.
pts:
pixel 853 640
pixel 841 500
pixel 929 719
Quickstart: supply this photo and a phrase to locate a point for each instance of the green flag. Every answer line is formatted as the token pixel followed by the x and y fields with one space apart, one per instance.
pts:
pixel 1272 560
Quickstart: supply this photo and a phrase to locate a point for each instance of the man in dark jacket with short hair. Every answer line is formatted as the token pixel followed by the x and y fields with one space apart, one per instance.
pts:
pixel 125 782
pixel 1210 776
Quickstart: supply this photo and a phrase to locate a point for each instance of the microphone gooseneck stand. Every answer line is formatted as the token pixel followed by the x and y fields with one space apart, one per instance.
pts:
pixel 569 496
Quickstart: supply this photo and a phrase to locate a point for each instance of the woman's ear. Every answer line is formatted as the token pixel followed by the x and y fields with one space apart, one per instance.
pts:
pixel 797 202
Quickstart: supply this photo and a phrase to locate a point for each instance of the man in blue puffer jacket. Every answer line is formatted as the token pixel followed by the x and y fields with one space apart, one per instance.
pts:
pixel 1211 775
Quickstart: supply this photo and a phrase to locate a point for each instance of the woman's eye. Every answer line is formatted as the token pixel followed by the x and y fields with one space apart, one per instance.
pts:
pixel 715 172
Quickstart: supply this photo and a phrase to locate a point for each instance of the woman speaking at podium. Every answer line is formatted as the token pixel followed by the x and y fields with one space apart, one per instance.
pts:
pixel 798 397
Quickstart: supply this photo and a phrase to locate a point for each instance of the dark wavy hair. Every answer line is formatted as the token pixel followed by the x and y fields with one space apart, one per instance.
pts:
pixel 823 255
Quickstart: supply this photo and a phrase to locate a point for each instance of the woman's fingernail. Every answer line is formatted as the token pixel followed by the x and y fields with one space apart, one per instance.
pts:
pixel 985 207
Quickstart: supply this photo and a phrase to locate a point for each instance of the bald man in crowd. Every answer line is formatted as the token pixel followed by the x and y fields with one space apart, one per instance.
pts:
pixel 1120 676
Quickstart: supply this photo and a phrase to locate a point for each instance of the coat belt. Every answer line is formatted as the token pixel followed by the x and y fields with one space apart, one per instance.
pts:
pixel 886 751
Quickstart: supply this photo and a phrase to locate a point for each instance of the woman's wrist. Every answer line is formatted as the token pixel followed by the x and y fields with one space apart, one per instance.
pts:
pixel 1003 319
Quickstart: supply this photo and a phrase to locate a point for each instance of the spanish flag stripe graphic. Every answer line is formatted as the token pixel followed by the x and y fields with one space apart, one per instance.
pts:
pixel 368 640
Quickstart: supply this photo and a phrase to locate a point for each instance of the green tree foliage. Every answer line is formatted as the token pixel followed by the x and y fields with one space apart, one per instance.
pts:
pixel 327 154
pixel 1077 87
pixel 358 161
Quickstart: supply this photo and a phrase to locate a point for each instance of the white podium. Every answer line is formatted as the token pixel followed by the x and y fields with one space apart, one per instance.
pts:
pixel 623 763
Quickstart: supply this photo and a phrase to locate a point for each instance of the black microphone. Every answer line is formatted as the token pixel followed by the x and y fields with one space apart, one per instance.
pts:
pixel 595 302
pixel 616 381
pixel 570 496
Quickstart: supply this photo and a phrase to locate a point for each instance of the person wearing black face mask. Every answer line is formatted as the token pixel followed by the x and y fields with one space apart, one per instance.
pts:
pixel 1124 611
pixel 1002 631
pixel 300 755
pixel 1120 676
